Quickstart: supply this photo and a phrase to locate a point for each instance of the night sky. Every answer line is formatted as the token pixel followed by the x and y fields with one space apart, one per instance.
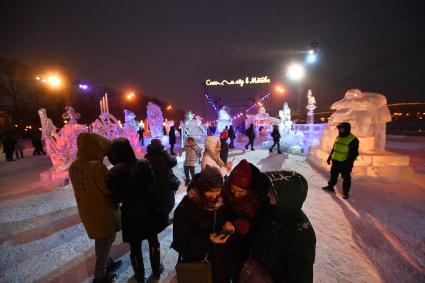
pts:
pixel 167 49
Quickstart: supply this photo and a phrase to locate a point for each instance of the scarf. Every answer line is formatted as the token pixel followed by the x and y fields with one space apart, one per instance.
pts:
pixel 196 196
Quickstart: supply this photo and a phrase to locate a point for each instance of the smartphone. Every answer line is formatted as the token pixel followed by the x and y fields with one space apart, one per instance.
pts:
pixel 225 232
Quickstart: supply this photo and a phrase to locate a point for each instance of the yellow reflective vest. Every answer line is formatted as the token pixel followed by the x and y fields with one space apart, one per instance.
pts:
pixel 341 147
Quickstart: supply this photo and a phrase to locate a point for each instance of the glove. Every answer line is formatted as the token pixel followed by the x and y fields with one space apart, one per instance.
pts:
pixel 328 161
pixel 241 226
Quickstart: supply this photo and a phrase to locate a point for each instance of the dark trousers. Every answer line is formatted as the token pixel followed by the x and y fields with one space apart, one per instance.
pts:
pixel 9 155
pixel 188 169
pixel 102 249
pixel 142 140
pixel 172 148
pixel 19 153
pixel 343 168
pixel 278 146
pixel 38 151
pixel 251 142
pixel 231 145
pixel 136 246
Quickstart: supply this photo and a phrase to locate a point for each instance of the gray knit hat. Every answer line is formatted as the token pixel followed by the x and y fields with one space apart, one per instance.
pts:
pixel 209 178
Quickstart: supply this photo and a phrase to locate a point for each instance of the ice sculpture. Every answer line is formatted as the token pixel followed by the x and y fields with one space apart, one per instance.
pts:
pixel 311 105
pixel 193 128
pixel 61 146
pixel 285 120
pixel 130 129
pixel 223 120
pixel 106 125
pixel 155 120
pixel 368 114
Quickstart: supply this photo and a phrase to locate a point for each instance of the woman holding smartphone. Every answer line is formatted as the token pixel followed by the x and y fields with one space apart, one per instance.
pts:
pixel 201 230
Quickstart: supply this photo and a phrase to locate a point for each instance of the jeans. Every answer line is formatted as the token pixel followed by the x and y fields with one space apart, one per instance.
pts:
pixel 188 169
pixel 102 249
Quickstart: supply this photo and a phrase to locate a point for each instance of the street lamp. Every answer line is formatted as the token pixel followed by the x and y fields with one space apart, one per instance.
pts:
pixel 295 72
pixel 311 57
pixel 130 96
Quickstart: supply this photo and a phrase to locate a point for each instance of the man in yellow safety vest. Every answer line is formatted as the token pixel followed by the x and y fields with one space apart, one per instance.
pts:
pixel 343 155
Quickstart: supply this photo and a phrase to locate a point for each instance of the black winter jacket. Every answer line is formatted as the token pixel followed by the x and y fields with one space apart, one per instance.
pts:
pixel 192 225
pixel 275 135
pixel 139 211
pixel 286 241
pixel 162 163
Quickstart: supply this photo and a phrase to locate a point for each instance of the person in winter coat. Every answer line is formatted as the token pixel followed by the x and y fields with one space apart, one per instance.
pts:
pixel 343 155
pixel 130 181
pixel 141 132
pixel 286 243
pixel 224 147
pixel 172 139
pixel 251 136
pixel 193 152
pixel 232 137
pixel 162 163
pixel 37 144
pixel 276 139
pixel 211 156
pixel 100 217
pixel 198 222
pixel 19 148
pixel 244 197
pixel 9 143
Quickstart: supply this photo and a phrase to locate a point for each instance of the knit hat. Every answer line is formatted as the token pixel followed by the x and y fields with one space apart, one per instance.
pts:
pixel 210 177
pixel 241 175
pixel 156 142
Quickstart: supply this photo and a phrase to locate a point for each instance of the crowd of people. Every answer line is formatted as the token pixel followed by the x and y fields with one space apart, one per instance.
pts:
pixel 242 222
pixel 14 145
pixel 236 218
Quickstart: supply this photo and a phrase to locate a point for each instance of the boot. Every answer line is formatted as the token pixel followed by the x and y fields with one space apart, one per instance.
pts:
pixel 279 152
pixel 157 267
pixel 108 278
pixel 270 150
pixel 329 189
pixel 138 267
pixel 113 265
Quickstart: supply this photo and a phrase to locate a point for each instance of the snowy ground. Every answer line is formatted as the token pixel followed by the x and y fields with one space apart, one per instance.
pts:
pixel 376 236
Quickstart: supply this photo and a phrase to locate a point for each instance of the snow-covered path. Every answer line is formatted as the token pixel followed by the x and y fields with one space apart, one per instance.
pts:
pixel 376 236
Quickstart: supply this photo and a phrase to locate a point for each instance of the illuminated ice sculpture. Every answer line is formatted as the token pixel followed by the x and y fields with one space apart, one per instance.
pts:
pixel 192 127
pixel 311 106
pixel 155 119
pixel 368 114
pixel 223 120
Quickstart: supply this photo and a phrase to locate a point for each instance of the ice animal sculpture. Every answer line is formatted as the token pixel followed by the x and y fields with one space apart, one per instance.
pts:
pixel 61 146
pixel 155 120
pixel 223 120
pixel 368 114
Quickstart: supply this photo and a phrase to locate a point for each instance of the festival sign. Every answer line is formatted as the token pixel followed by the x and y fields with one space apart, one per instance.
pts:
pixel 239 82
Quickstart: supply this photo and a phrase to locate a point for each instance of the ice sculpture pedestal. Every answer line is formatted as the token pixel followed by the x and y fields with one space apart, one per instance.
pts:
pixel 53 178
